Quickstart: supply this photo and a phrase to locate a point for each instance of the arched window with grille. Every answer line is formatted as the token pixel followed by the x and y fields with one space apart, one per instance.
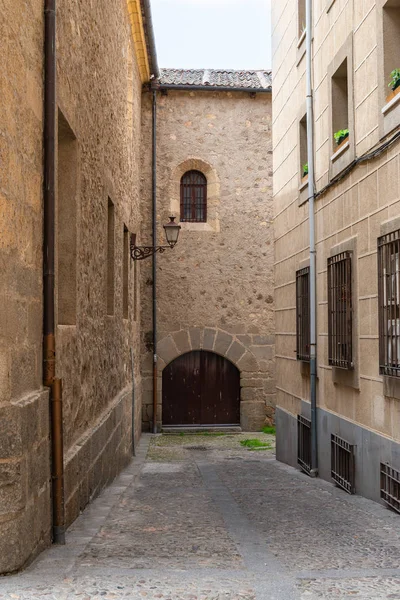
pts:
pixel 194 197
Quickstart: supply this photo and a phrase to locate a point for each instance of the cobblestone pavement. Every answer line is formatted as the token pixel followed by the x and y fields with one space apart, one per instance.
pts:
pixel 203 518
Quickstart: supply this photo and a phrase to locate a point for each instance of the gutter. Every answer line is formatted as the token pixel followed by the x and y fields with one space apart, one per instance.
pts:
pixel 150 37
pixel 154 265
pixel 212 88
pixel 311 220
pixel 49 346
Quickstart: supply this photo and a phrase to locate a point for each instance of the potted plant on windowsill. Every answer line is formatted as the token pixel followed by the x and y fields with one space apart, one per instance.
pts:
pixel 341 137
pixel 394 84
pixel 304 176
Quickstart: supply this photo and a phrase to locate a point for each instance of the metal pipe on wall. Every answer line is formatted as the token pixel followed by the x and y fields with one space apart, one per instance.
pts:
pixel 49 349
pixel 311 202
pixel 154 273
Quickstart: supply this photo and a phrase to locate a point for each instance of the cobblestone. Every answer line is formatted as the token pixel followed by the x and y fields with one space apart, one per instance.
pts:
pixel 218 522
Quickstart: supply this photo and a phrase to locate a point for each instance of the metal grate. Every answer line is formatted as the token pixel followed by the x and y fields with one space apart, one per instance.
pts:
pixel 389 298
pixel 304 443
pixel 343 464
pixel 194 197
pixel 390 486
pixel 340 326
pixel 303 314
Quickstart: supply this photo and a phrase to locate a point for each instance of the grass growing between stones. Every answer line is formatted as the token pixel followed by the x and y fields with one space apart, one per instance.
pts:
pixel 269 430
pixel 255 444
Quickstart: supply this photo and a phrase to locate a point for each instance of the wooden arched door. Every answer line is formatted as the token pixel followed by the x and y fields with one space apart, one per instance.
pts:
pixel 201 388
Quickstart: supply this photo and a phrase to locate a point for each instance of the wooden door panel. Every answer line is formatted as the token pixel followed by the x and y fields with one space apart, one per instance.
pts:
pixel 181 391
pixel 201 388
pixel 220 391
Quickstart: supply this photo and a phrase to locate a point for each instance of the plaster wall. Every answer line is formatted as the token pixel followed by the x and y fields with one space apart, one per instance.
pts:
pixel 353 212
pixel 215 288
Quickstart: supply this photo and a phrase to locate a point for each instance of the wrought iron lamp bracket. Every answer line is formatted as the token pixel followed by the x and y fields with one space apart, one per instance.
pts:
pixel 142 252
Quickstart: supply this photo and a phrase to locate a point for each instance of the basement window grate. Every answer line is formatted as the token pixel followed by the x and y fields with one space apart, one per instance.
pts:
pixel 304 443
pixel 390 486
pixel 343 464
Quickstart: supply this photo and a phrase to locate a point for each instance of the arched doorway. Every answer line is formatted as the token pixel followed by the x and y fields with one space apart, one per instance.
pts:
pixel 201 388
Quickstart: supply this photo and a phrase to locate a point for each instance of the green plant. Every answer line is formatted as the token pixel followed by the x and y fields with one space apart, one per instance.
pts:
pixel 394 79
pixel 305 169
pixel 269 430
pixel 255 443
pixel 341 135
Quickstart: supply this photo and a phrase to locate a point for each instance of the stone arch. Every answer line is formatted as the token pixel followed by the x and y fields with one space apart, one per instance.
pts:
pixel 227 345
pixel 213 193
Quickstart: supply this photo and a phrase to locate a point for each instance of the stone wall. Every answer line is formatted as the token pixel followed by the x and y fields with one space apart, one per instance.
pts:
pixel 351 215
pixel 215 288
pixel 99 102
pixel 25 515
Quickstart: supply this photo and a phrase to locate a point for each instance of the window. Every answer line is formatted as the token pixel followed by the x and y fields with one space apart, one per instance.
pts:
pixel 110 258
pixel 389 298
pixel 340 102
pixel 193 197
pixel 391 37
pixel 301 18
pixel 303 314
pixel 67 170
pixel 125 274
pixel 303 148
pixel 340 317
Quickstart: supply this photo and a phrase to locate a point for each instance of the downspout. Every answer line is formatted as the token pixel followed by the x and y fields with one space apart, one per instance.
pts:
pixel 311 202
pixel 49 347
pixel 154 224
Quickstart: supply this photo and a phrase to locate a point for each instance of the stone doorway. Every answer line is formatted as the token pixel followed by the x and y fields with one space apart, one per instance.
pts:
pixel 201 388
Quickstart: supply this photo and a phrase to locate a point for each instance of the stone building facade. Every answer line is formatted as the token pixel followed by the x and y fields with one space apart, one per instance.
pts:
pixel 97 289
pixel 215 288
pixel 355 48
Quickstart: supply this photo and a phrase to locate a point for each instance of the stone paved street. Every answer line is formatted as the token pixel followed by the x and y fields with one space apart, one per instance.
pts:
pixel 203 518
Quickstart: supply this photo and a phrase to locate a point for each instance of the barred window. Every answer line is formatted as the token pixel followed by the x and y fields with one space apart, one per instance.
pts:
pixel 194 197
pixel 303 314
pixel 340 311
pixel 389 297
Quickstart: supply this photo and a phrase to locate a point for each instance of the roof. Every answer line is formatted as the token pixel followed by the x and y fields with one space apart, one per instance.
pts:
pixel 224 78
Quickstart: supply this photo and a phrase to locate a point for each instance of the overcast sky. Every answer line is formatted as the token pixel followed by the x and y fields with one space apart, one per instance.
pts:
pixel 231 34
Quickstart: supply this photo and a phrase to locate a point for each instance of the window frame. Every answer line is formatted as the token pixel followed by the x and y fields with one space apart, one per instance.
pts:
pixel 193 200
pixel 303 314
pixel 340 313
pixel 386 243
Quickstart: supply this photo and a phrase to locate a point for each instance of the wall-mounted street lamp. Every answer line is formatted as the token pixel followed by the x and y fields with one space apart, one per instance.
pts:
pixel 172 230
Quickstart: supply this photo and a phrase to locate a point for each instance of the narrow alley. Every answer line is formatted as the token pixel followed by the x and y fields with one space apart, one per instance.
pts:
pixel 205 518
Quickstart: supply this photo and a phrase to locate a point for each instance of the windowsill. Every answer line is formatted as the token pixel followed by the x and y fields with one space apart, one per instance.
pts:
pixel 303 184
pixel 389 105
pixel 391 387
pixel 187 226
pixel 340 150
pixel 302 38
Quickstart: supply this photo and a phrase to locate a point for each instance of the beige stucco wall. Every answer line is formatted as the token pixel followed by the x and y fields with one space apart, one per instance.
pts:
pixel 215 289
pixel 99 94
pixel 352 210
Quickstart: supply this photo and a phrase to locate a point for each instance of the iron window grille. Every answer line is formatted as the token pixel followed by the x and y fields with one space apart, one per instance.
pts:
pixel 390 487
pixel 304 443
pixel 303 314
pixel 343 464
pixel 340 311
pixel 194 197
pixel 389 298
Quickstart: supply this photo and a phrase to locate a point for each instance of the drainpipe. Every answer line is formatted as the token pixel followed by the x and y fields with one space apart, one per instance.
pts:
pixel 154 224
pixel 311 201
pixel 49 347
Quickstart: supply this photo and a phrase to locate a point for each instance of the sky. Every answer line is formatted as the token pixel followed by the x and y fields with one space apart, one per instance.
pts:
pixel 213 34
